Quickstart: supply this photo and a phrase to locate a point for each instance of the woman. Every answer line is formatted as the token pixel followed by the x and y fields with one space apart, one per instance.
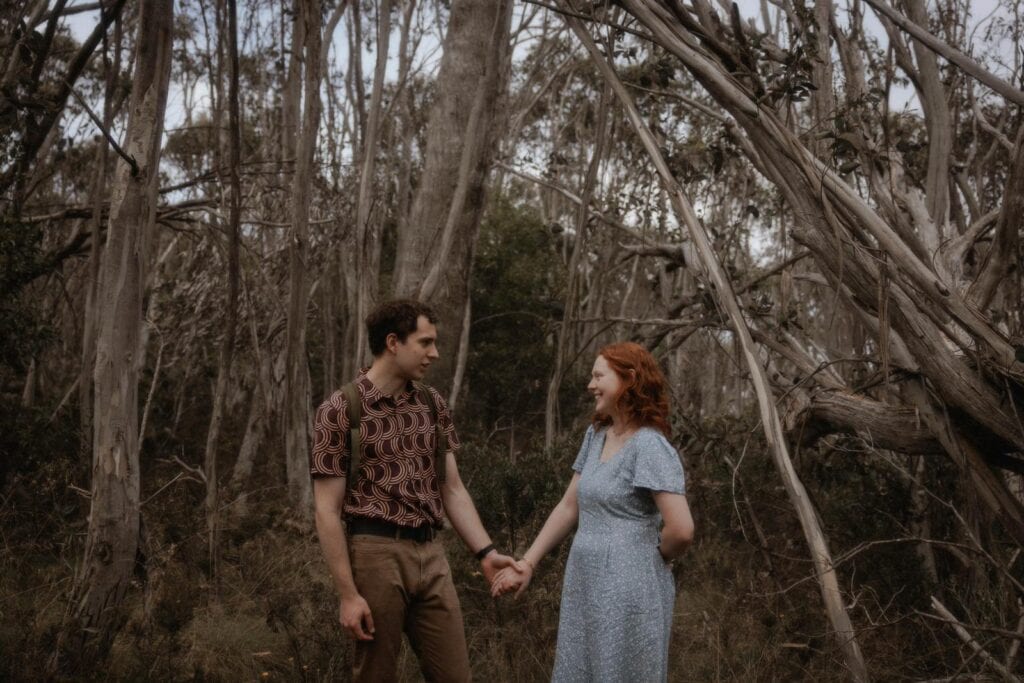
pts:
pixel 618 595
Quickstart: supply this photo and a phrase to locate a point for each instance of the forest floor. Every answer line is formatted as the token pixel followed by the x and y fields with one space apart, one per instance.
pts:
pixel 744 612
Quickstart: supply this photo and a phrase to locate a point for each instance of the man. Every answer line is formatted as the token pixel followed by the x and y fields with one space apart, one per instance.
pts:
pixel 388 566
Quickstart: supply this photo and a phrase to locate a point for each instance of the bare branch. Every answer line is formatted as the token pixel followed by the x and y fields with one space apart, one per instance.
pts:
pixel 965 636
pixel 967 64
pixel 106 133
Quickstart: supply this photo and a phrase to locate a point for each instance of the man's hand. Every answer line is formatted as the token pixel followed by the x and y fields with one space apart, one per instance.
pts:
pixel 355 617
pixel 494 562
pixel 514 578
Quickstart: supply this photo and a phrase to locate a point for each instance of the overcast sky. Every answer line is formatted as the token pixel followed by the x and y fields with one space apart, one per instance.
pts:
pixel 982 13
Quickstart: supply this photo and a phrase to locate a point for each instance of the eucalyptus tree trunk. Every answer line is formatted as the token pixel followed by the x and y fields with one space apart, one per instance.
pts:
pixel 96 224
pixel 809 521
pixel 110 553
pixel 572 298
pixel 297 408
pixel 368 237
pixel 435 245
pixel 931 316
pixel 226 353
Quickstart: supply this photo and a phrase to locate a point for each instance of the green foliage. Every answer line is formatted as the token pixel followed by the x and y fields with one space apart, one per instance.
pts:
pixel 22 332
pixel 517 290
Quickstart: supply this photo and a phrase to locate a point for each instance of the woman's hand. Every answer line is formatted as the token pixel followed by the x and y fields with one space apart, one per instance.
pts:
pixel 515 578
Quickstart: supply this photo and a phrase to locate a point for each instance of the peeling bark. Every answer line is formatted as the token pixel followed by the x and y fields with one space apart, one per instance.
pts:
pixel 102 580
pixel 434 260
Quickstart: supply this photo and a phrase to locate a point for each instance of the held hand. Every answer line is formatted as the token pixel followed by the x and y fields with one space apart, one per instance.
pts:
pixel 355 618
pixel 515 578
pixel 493 563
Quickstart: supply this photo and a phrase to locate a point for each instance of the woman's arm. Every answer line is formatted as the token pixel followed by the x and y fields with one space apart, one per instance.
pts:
pixel 560 522
pixel 677 534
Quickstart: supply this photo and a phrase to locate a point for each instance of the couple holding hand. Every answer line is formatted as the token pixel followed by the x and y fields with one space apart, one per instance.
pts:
pixel 625 499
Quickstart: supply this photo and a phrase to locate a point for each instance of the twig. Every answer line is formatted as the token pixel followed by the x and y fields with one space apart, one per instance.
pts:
pixel 152 390
pixel 632 232
pixel 193 472
pixel 64 400
pixel 1011 652
pixel 176 477
pixel 99 124
pixel 80 491
pixel 965 636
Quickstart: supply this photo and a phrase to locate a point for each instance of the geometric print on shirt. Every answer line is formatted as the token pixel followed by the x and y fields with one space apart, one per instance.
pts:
pixel 397 479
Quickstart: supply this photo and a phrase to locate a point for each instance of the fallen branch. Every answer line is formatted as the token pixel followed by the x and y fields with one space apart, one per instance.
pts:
pixel 965 636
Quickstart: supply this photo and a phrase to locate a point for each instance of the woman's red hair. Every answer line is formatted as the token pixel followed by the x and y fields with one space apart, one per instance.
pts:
pixel 644 398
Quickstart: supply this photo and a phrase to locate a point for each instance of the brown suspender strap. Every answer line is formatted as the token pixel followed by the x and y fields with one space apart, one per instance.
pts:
pixel 354 410
pixel 440 442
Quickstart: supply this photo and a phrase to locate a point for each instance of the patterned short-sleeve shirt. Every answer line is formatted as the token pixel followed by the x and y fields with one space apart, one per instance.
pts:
pixel 397 479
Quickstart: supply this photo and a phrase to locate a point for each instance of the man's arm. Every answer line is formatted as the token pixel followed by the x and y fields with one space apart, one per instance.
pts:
pixel 328 499
pixel 464 518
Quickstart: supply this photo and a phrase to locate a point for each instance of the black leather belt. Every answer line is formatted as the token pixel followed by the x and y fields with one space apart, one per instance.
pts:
pixel 377 527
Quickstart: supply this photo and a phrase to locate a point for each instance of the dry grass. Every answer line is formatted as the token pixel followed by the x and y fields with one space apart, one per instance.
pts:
pixel 273 612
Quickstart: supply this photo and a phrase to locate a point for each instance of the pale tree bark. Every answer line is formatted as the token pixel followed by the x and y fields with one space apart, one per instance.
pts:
pixel 809 520
pixel 334 283
pixel 572 297
pixel 405 117
pixel 368 228
pixel 297 408
pixel 823 101
pixel 965 63
pixel 1004 254
pixel 110 554
pixel 435 245
pixel 226 353
pixel 940 130
pixel 88 358
pixel 929 315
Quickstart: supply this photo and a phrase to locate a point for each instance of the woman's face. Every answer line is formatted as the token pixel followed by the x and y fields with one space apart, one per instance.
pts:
pixel 605 385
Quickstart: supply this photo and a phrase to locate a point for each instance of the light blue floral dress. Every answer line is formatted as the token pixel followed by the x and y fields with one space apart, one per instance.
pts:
pixel 618 595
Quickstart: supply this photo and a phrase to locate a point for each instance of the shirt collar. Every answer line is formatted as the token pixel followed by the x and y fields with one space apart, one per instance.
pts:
pixel 372 394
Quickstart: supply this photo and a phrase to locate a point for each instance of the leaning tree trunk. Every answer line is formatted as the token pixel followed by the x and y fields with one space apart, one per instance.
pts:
pixel 772 424
pixel 435 246
pixel 297 385
pixel 103 578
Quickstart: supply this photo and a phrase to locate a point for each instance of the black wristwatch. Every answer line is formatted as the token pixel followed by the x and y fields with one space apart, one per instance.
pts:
pixel 483 552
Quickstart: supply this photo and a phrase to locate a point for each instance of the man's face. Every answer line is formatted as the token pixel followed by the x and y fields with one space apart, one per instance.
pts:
pixel 418 351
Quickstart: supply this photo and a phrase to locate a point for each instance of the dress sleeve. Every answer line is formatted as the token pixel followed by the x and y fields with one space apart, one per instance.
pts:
pixel 581 457
pixel 658 466
pixel 329 455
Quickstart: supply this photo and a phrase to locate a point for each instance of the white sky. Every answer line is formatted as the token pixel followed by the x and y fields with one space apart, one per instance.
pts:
pixel 981 12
